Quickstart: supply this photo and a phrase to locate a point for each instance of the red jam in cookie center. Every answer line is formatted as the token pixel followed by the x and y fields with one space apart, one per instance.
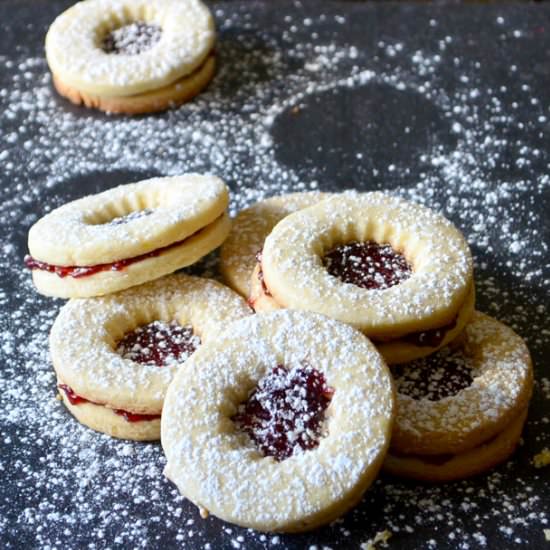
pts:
pixel 367 265
pixel 132 39
pixel 440 375
pixel 284 414
pixel 159 343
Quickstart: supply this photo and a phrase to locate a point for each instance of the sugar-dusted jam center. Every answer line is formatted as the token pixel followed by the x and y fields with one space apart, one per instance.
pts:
pixel 440 375
pixel 285 413
pixel 132 39
pixel 159 343
pixel 368 265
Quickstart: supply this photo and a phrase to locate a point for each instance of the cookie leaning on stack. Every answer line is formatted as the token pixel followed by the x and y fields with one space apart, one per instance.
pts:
pixel 281 423
pixel 132 56
pixel 128 235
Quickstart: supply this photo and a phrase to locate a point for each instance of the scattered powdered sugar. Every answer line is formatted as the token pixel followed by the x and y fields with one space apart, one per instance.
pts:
pixel 69 486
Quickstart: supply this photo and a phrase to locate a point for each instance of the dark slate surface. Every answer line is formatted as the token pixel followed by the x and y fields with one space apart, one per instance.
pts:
pixel 487 71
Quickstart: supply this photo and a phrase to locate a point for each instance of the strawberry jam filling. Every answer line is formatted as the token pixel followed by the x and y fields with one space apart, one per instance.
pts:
pixel 75 399
pixel 85 271
pixel 284 415
pixel 440 375
pixel 132 39
pixel 261 274
pixel 368 265
pixel 159 344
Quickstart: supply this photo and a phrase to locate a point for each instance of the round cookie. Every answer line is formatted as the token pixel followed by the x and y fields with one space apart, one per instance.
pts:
pixel 271 473
pixel 115 356
pixel 132 56
pixel 393 269
pixel 442 468
pixel 127 235
pixel 250 228
pixel 465 395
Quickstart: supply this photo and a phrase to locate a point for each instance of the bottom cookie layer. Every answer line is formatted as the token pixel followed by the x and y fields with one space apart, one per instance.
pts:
pixel 105 420
pixel 460 466
pixel 152 101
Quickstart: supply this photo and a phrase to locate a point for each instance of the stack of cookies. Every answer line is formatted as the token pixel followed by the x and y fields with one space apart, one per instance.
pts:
pixel 113 254
pixel 402 275
pixel 296 405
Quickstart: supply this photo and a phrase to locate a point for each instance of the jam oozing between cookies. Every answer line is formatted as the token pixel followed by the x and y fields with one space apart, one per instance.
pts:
pixel 440 375
pixel 76 272
pixel 367 265
pixel 285 413
pixel 75 399
pixel 158 343
pixel 131 39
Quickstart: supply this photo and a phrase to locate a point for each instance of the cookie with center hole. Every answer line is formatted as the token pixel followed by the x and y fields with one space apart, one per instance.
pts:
pixel 132 56
pixel 281 423
pixel 128 235
pixel 399 272
pixel 238 254
pixel 115 356
pixel 461 411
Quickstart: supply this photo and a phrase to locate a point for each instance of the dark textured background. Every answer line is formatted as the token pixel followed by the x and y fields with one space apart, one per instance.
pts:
pixel 321 142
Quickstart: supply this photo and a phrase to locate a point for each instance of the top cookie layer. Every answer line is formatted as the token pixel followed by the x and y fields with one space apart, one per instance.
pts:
pixel 75 54
pixel 155 213
pixel 294 273
pixel 250 228
pixel 219 468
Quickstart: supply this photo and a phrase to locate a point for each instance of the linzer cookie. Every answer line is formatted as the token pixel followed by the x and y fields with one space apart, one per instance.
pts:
pixel 397 271
pixel 115 356
pixel 462 410
pixel 238 254
pixel 127 235
pixel 132 56
pixel 281 423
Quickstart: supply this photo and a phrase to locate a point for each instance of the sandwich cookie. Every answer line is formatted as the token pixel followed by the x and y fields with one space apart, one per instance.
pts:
pixel 115 356
pixel 397 271
pixel 127 235
pixel 462 410
pixel 281 423
pixel 132 56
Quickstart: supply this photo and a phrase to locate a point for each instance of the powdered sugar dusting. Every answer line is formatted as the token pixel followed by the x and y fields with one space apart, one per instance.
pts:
pixel 492 183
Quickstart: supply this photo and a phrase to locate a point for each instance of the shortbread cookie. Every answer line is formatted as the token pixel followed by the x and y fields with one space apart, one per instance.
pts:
pixel 115 356
pixel 465 395
pixel 397 271
pixel 249 230
pixel 281 423
pixel 127 235
pixel 449 467
pixel 132 56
